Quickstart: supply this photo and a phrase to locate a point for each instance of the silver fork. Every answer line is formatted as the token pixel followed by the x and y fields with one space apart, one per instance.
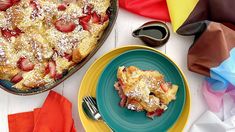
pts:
pixel 92 106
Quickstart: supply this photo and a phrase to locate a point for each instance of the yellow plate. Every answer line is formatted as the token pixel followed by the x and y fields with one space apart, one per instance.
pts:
pixel 88 87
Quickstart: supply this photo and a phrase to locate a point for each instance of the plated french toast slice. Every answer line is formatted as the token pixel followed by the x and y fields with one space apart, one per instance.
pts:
pixel 142 90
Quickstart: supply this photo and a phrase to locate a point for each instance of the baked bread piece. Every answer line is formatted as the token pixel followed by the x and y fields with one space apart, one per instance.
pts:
pixel 42 40
pixel 144 90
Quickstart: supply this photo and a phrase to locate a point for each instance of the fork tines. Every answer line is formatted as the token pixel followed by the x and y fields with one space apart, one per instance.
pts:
pixel 90 102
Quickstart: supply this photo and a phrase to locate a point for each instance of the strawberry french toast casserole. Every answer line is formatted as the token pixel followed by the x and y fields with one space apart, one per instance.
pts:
pixel 41 40
pixel 141 90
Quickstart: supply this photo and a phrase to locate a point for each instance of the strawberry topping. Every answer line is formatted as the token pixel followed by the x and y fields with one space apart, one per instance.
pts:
pixel 85 18
pixel 65 26
pixel 95 18
pixel 88 9
pixel 51 69
pixel 17 78
pixel 164 87
pixel 68 56
pixel 33 4
pixel 85 26
pixel 15 1
pixel 150 114
pixel 119 88
pixel 123 101
pixel 120 83
pixel 58 76
pixel 11 33
pixel 36 7
pixel 83 21
pixel 62 7
pixel 5 4
pixel 157 112
pixel 24 64
pixel 47 69
pixel 104 18
pixel 124 69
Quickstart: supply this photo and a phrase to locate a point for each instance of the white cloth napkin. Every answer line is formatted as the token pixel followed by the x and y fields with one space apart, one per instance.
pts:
pixel 210 122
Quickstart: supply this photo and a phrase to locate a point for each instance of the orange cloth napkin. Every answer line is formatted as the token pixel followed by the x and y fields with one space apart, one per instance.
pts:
pixel 150 8
pixel 54 116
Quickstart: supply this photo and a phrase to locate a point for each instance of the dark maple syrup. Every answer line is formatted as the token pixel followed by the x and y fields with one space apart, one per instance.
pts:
pixel 156 32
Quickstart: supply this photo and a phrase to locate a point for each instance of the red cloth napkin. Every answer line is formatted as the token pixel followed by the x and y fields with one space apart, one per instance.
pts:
pixel 150 8
pixel 54 116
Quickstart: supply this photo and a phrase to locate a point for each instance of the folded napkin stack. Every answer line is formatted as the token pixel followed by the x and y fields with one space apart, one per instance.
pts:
pixel 55 115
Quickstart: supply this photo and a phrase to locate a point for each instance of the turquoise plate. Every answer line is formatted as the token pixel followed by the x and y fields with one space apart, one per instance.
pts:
pixel 124 120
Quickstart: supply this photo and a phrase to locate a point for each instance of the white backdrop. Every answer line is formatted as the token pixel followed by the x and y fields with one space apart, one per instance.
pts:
pixel 176 48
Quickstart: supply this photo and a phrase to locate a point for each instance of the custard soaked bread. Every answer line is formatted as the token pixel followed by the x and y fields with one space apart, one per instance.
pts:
pixel 144 90
pixel 40 39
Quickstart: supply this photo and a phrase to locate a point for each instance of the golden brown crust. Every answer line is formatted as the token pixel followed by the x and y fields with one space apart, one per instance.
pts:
pixel 84 48
pixel 7 72
pixel 40 42
pixel 88 44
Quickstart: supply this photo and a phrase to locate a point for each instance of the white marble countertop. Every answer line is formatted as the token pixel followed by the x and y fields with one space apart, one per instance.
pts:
pixel 176 48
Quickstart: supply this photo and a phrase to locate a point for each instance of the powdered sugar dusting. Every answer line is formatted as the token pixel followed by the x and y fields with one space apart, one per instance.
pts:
pixel 144 88
pixel 30 31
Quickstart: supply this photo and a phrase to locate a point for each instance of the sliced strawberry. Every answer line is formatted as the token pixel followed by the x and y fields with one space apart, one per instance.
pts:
pixel 24 64
pixel 36 9
pixel 124 69
pixel 95 18
pixel 159 112
pixel 33 4
pixel 47 69
pixel 62 7
pixel 88 9
pixel 104 18
pixel 84 25
pixel 68 56
pixel 150 114
pixel 83 21
pixel 120 82
pixel 11 33
pixel 17 78
pixel 133 101
pixel 164 87
pixel 51 69
pixel 65 26
pixel 15 1
pixel 86 18
pixel 123 101
pixel 5 4
pixel 121 94
pixel 58 76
